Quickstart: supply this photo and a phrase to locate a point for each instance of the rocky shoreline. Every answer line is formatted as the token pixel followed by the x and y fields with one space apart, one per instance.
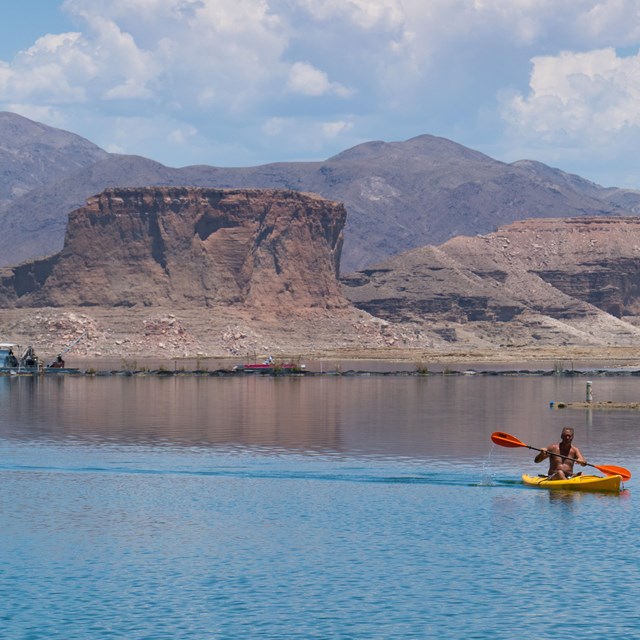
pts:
pixel 179 339
pixel 162 371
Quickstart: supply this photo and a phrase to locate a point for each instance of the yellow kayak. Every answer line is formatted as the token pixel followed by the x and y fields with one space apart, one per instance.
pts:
pixel 577 483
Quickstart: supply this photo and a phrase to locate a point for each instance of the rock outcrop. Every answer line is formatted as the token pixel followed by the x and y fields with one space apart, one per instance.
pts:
pixel 178 272
pixel 269 250
pixel 576 280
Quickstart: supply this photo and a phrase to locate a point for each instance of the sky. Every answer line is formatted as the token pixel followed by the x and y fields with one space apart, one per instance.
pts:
pixel 247 82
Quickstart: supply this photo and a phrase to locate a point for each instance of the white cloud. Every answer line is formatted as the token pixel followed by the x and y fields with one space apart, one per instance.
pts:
pixel 180 52
pixel 366 14
pixel 610 22
pixel 333 129
pixel 239 53
pixel 47 70
pixel 580 94
pixel 309 81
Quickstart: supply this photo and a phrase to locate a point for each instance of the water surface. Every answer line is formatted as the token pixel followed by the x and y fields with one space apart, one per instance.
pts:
pixel 338 507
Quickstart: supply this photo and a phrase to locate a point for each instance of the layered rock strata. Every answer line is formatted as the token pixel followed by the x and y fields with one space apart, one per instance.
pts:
pixel 530 280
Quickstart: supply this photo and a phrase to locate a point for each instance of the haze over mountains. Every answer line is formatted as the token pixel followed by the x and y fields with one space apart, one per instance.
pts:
pixel 398 195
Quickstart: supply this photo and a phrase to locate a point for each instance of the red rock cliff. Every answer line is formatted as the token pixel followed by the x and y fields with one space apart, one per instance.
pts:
pixel 267 249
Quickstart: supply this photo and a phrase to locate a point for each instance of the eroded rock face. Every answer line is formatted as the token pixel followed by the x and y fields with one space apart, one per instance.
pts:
pixel 177 246
pixel 554 273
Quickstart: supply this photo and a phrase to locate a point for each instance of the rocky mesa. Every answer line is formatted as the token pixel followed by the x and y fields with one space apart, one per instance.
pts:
pixel 184 247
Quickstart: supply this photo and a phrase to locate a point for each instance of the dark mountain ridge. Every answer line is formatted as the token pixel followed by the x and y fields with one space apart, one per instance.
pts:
pixel 398 195
pixel 33 155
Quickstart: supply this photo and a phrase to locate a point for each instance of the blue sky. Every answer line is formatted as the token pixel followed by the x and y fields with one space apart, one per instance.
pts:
pixel 245 82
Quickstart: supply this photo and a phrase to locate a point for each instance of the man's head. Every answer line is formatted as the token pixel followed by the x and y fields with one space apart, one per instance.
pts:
pixel 567 434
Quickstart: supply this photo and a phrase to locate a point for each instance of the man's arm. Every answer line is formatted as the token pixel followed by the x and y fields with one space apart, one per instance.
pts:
pixel 543 455
pixel 580 459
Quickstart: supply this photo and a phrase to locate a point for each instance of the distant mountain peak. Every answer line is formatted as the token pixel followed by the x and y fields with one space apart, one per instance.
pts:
pixel 16 131
pixel 34 155
pixel 427 145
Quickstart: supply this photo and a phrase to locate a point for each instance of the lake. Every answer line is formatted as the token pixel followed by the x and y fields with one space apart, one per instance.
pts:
pixel 316 507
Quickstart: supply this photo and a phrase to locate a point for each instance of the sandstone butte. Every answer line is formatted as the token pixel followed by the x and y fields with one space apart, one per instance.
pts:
pixel 187 247
pixel 177 271
pixel 171 272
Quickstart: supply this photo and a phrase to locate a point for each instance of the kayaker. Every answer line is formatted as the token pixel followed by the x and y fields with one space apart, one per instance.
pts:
pixel 561 468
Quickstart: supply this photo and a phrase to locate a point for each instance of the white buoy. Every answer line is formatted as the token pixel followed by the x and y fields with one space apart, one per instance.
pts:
pixel 589 391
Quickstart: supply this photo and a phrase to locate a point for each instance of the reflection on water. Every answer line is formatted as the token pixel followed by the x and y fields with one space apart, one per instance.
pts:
pixel 361 508
pixel 412 417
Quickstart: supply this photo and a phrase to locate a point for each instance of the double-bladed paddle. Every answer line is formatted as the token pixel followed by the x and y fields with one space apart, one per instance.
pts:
pixel 507 440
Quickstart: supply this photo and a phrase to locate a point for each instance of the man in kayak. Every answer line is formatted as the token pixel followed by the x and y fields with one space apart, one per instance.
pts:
pixel 561 468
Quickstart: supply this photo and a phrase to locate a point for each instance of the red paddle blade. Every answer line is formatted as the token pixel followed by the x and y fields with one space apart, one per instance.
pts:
pixel 612 470
pixel 507 440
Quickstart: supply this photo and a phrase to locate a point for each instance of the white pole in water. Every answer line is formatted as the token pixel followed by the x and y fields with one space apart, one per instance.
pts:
pixel 589 393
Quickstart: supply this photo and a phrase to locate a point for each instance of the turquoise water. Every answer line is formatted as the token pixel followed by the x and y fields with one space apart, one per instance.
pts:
pixel 341 508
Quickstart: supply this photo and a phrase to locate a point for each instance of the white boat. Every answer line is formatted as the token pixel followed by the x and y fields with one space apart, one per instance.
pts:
pixel 27 362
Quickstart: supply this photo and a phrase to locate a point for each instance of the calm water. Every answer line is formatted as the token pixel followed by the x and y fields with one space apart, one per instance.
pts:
pixel 309 508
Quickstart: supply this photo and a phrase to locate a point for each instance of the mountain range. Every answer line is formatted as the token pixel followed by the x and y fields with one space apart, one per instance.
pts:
pixel 398 195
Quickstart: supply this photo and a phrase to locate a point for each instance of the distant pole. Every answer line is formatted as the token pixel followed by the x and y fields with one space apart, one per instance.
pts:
pixel 589 391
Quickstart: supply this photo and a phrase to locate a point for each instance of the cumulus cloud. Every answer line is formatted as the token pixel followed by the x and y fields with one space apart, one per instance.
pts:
pixel 174 50
pixel 304 78
pixel 180 62
pixel 364 13
pixel 48 70
pixel 243 52
pixel 524 22
pixel 614 22
pixel 579 94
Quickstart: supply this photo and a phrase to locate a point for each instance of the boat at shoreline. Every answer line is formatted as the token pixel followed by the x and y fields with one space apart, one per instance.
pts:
pixel 11 363
pixel 28 363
